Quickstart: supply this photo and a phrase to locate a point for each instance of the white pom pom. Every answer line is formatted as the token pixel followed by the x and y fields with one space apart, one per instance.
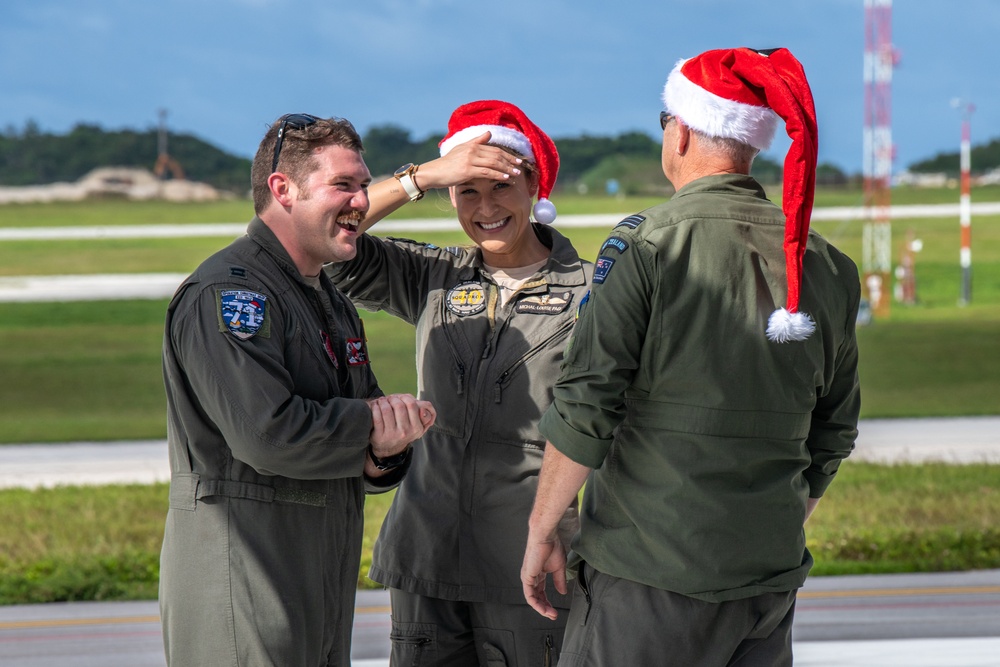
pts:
pixel 545 211
pixel 784 326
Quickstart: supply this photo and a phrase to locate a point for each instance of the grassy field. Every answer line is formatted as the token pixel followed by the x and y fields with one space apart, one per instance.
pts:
pixel 79 543
pixel 91 371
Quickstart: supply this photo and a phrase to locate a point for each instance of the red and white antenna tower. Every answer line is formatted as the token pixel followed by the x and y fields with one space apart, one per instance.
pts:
pixel 880 58
pixel 965 200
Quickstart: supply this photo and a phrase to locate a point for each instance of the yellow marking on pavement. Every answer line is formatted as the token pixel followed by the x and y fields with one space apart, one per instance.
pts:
pixel 125 620
pixel 899 592
pixel 68 622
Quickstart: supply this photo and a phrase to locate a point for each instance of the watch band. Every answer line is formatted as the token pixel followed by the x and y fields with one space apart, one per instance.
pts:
pixel 390 462
pixel 405 177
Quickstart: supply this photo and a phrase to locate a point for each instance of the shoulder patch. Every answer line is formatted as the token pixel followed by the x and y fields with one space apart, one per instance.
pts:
pixel 242 312
pixel 545 304
pixel 619 244
pixel 466 298
pixel 602 268
pixel 631 221
pixel 357 352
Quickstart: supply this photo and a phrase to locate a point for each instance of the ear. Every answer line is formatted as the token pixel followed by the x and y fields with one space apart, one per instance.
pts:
pixel 683 137
pixel 532 183
pixel 281 188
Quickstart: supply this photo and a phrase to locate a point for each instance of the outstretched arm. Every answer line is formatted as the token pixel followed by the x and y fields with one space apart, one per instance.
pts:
pixel 559 482
pixel 473 159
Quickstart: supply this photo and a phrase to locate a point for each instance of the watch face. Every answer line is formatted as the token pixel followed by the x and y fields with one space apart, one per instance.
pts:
pixel 405 169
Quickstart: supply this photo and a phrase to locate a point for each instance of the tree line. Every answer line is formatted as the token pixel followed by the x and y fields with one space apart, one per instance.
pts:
pixel 628 163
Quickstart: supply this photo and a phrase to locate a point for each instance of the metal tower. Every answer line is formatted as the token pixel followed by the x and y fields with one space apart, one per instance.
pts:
pixel 879 60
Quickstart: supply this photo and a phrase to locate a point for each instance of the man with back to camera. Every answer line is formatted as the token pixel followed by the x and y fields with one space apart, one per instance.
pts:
pixel 276 424
pixel 706 419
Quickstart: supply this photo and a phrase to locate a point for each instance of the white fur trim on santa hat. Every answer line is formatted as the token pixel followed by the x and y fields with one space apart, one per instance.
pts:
pixel 784 326
pixel 716 116
pixel 499 136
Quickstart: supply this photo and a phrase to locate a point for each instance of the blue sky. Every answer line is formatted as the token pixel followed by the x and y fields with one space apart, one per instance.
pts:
pixel 224 69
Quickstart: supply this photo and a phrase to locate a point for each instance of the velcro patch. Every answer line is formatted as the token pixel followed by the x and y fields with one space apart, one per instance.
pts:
pixel 545 304
pixel 621 245
pixel 631 221
pixel 466 298
pixel 242 312
pixel 602 269
pixel 357 353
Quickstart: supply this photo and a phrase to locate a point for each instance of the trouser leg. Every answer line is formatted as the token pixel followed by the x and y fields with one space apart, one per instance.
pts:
pixel 430 632
pixel 515 635
pixel 442 633
pixel 614 622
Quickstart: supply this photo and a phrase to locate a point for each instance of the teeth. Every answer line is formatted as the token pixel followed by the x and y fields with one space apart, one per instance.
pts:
pixel 493 225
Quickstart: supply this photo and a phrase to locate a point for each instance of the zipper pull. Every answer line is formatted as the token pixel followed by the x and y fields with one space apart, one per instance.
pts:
pixel 498 389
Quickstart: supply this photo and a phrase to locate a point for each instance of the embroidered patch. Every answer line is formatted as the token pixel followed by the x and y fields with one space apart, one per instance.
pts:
pixel 357 353
pixel 545 304
pixel 242 312
pixel 466 299
pixel 583 302
pixel 328 346
pixel 602 269
pixel 621 245
pixel 631 222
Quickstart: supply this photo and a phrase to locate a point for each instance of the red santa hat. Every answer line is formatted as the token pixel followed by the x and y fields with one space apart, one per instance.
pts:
pixel 741 94
pixel 509 127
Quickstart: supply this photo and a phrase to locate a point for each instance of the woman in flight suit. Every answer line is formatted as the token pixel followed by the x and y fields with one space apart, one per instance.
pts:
pixel 491 322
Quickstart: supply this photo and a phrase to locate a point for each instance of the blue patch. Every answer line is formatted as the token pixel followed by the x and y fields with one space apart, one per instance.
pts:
pixel 242 312
pixel 621 245
pixel 631 222
pixel 602 269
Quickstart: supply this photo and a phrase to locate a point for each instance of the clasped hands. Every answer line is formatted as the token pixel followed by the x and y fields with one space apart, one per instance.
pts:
pixel 398 420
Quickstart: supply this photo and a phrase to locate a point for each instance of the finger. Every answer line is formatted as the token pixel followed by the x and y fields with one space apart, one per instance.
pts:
pixel 559 580
pixel 378 421
pixel 428 414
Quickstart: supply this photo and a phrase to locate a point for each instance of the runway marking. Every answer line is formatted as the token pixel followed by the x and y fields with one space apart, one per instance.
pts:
pixel 125 620
pixel 899 592
pixel 70 622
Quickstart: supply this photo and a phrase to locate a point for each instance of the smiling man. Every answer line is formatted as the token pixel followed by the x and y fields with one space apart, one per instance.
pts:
pixel 276 424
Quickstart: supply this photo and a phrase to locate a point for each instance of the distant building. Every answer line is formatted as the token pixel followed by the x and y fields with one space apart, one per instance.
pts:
pixel 114 182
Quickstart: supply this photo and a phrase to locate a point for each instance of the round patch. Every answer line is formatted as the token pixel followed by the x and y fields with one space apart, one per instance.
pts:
pixel 466 299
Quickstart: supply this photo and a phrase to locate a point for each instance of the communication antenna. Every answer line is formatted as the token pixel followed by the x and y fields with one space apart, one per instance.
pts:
pixel 163 160
pixel 879 152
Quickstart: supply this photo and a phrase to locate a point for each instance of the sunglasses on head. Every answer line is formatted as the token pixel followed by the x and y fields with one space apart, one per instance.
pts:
pixel 295 121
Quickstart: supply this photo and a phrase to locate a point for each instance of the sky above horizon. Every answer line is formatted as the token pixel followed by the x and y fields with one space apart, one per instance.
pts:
pixel 224 69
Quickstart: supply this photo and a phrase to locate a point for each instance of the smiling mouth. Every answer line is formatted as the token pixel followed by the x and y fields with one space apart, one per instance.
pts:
pixel 490 226
pixel 350 222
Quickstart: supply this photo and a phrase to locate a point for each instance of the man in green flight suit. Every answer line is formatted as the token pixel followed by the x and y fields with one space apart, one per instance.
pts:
pixel 708 394
pixel 276 425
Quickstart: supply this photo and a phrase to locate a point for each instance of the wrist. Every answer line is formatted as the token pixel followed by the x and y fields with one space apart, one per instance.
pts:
pixel 390 462
pixel 406 175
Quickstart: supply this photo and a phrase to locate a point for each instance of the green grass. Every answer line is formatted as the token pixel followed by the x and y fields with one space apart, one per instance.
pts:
pixel 103 543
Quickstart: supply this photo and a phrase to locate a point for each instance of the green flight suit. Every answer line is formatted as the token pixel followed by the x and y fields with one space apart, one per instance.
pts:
pixel 706 438
pixel 267 434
